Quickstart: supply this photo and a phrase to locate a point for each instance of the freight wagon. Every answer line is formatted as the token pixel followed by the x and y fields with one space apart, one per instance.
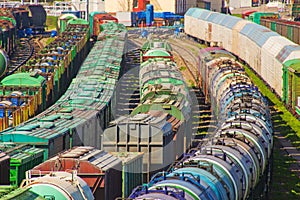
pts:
pixel 84 111
pixel 99 19
pixel 160 125
pixel 101 171
pixel 58 185
pixel 4 169
pixel 21 159
pixel 269 54
pixel 230 164
pixel 286 28
pixel 44 77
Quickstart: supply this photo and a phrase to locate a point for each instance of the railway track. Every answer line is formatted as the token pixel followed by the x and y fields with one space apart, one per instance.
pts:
pixel 127 90
pixel 26 49
pixel 187 61
pixel 185 53
pixel 23 52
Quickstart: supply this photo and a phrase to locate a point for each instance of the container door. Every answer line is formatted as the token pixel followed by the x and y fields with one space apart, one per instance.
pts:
pixel 209 30
pixel 296 91
pixel 273 26
pixel 290 32
pixel 290 90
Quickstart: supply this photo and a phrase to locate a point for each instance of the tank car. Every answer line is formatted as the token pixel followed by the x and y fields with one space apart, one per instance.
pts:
pixel 232 160
pixel 60 185
pixel 271 56
pixel 37 17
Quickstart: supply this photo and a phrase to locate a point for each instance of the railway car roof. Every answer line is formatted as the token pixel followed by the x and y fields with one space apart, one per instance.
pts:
pixel 98 158
pixel 293 65
pixel 23 79
pixel 157 52
pixel 257 33
pixel 288 52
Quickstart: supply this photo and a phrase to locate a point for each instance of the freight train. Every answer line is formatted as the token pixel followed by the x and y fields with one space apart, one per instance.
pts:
pixel 286 28
pixel 160 125
pixel 273 57
pixel 84 111
pixel 44 77
pixel 230 163
pixel 80 115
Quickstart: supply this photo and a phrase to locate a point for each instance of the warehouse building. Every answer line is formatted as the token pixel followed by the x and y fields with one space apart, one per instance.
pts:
pixel 94 5
pixel 176 6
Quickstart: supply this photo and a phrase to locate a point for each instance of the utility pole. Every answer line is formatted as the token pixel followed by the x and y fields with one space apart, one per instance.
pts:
pixel 87 10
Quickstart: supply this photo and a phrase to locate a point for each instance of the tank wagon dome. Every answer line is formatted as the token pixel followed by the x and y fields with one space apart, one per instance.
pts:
pixel 23 79
pixel 157 52
pixel 61 185
pixel 3 62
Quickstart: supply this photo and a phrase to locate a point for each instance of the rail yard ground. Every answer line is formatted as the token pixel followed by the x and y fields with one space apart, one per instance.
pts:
pixel 285 179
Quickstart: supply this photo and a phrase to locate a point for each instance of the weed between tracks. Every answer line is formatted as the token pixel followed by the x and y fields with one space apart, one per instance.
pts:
pixel 285 183
pixel 290 127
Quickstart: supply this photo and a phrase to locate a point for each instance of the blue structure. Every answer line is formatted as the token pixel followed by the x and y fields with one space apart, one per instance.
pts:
pixel 138 17
pixel 149 14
